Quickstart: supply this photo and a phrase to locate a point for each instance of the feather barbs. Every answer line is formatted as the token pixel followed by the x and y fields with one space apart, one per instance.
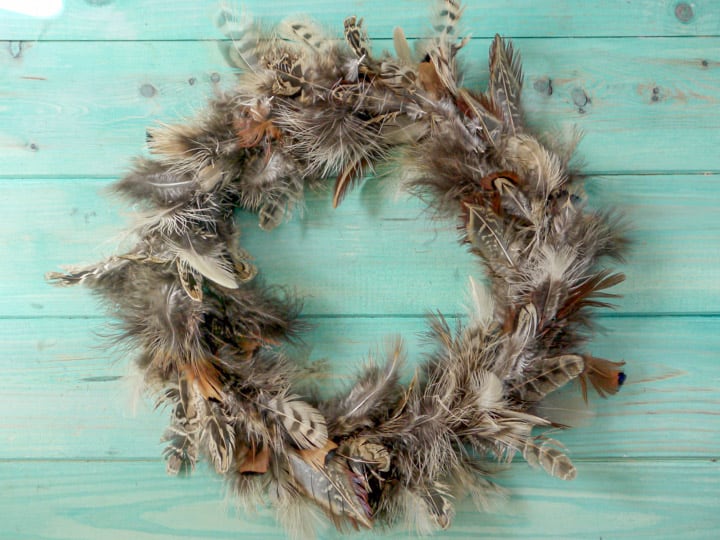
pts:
pixel 212 337
pixel 605 376
pixel 303 423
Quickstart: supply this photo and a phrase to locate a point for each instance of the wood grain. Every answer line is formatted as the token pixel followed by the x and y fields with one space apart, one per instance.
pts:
pixel 194 20
pixel 617 499
pixel 73 398
pixel 81 109
pixel 373 255
pixel 79 448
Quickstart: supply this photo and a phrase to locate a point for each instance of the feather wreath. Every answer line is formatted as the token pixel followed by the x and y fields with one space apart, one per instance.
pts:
pixel 209 335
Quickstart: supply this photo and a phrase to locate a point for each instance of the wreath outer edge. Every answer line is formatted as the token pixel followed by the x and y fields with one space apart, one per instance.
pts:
pixel 209 335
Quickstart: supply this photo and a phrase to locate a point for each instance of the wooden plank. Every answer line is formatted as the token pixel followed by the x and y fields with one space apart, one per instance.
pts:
pixel 646 105
pixel 79 448
pixel 100 500
pixel 190 19
pixel 388 269
pixel 68 397
pixel 373 255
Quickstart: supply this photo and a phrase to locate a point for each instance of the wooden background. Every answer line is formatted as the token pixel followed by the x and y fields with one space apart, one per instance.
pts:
pixel 79 455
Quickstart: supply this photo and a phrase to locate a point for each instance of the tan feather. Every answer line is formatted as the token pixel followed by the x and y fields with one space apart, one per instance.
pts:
pixel 402 48
pixel 550 458
pixel 190 280
pixel 485 231
pixel 506 81
pixel 218 438
pixel 482 305
pixel 303 423
pixel 171 140
pixel 605 376
pixel 447 17
pixel 250 459
pixel 552 373
pixel 333 486
pixel 361 453
pixel 181 451
pixel 245 49
pixel 306 32
pixel 349 175
pixel 356 37
pixel 213 268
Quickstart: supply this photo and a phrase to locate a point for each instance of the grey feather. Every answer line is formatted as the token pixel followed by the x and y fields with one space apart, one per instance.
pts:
pixel 304 424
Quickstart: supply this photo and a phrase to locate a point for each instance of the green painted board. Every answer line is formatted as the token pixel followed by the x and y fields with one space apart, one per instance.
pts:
pixel 192 19
pixel 77 109
pixel 618 499
pixel 71 398
pixel 375 254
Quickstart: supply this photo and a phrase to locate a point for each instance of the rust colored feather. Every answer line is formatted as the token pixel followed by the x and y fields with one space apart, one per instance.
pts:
pixel 316 456
pixel 605 376
pixel 349 175
pixel 583 295
pixel 488 181
pixel 207 378
pixel 251 132
pixel 254 461
pixel 429 80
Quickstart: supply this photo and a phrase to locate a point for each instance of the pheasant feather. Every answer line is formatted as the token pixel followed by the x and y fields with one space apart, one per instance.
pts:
pixel 210 335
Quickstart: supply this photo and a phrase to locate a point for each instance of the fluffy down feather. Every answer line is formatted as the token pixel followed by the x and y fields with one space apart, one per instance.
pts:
pixel 209 336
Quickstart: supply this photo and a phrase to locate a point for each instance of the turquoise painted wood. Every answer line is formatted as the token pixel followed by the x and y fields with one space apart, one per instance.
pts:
pixel 366 244
pixel 79 447
pixel 77 402
pixel 87 500
pixel 69 115
pixel 193 19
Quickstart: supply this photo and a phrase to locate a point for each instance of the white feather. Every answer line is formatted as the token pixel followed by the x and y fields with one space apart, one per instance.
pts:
pixel 490 391
pixel 481 306
pixel 556 264
pixel 212 267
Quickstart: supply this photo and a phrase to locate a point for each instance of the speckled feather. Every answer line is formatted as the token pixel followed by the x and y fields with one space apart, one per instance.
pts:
pixel 210 335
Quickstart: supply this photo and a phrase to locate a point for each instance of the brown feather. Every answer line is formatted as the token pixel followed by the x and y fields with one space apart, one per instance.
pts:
pixel 356 37
pixel 349 175
pixel 327 479
pixel 483 109
pixel 551 459
pixel 581 296
pixel 553 373
pixel 605 376
pixel 430 80
pixel 190 280
pixel 207 378
pixel 251 460
pixel 304 424
pixel 506 81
